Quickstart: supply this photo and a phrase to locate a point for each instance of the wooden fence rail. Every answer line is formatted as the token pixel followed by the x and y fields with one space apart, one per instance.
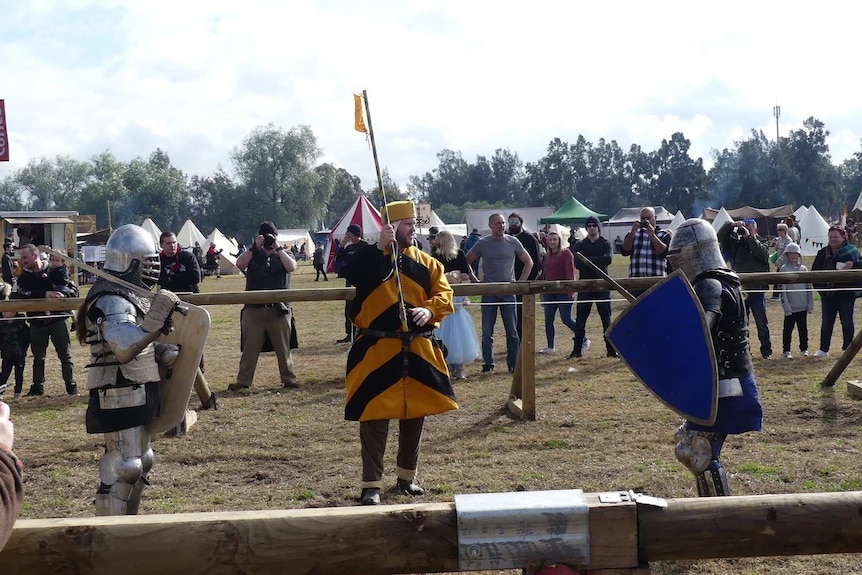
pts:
pixel 423 538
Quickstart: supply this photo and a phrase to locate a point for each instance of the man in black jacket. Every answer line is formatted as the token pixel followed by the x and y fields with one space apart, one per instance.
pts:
pixel 35 283
pixel 600 252
pixel 179 268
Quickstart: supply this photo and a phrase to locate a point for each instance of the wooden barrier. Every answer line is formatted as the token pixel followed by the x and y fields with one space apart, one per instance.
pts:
pixel 423 538
pixel 522 395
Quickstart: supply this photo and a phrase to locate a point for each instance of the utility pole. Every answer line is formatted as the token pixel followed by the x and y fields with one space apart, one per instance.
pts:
pixel 776 111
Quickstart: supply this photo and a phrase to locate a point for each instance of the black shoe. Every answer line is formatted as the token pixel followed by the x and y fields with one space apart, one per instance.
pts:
pixel 36 390
pixel 407 487
pixel 291 385
pixel 72 389
pixel 345 339
pixel 370 496
pixel 574 355
pixel 511 369
pixel 487 369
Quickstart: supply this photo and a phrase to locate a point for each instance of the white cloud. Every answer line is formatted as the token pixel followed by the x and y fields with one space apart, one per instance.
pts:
pixel 195 78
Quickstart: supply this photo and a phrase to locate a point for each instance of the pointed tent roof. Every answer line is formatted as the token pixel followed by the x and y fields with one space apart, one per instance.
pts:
pixel 678 218
pixel 571 212
pixel 152 228
pixel 189 234
pixel 226 261
pixel 800 214
pixel 721 218
pixel 361 213
pixel 814 232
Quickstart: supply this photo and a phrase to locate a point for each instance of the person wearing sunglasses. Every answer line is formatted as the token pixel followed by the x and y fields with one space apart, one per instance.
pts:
pixel 646 245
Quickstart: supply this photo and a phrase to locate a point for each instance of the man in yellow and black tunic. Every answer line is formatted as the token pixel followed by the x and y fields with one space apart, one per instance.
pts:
pixel 393 373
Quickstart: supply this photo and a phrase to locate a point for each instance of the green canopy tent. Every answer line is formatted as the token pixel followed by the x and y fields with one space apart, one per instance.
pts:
pixel 572 212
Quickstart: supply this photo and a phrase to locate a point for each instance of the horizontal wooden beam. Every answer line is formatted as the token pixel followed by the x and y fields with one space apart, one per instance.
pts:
pixel 420 538
pixel 752 526
pixel 423 538
pixel 514 288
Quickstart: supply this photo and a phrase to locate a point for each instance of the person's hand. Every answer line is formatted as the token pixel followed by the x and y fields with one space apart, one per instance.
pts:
pixel 648 228
pixel 636 226
pixel 7 430
pixel 258 241
pixel 844 266
pixel 54 294
pixel 161 309
pixel 421 315
pixel 387 236
pixel 454 277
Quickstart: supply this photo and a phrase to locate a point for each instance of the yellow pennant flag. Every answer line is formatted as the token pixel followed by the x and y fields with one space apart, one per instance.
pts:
pixel 358 120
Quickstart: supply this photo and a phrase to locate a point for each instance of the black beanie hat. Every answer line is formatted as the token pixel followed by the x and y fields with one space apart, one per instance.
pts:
pixel 267 227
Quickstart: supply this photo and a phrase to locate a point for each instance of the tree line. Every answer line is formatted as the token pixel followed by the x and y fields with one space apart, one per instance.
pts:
pixel 276 173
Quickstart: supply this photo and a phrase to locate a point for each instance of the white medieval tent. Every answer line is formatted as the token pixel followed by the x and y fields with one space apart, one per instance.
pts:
pixel 361 213
pixel 721 218
pixel 298 237
pixel 227 262
pixel 814 232
pixel 189 234
pixel 458 231
pixel 621 222
pixel 800 214
pixel 152 229
pixel 678 218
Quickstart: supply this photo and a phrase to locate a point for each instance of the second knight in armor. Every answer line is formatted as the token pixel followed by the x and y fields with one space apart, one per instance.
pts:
pixel 121 324
pixel 694 249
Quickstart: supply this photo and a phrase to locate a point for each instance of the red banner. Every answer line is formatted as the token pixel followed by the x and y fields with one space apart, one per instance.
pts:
pixel 4 135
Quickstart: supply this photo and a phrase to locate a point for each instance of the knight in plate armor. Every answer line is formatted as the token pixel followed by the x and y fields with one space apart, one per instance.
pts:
pixel 121 325
pixel 694 249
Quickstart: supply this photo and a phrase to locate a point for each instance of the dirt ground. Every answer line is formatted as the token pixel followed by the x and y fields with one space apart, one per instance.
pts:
pixel 597 429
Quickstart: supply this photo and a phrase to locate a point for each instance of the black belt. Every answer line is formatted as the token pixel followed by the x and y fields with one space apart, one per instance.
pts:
pixel 405 337
pixel 402 335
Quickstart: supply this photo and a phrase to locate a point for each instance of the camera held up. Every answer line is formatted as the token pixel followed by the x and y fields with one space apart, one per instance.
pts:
pixel 269 241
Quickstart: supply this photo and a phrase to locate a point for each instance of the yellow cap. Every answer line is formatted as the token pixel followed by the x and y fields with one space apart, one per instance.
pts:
pixel 400 210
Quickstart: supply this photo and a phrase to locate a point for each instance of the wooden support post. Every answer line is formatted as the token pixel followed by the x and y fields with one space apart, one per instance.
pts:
pixel 528 358
pixel 522 392
pixel 843 361
pixel 854 388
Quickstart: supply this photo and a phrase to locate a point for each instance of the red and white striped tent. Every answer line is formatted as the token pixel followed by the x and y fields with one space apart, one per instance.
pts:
pixel 361 213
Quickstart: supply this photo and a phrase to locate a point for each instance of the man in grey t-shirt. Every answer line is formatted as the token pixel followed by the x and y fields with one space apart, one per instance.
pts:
pixel 498 252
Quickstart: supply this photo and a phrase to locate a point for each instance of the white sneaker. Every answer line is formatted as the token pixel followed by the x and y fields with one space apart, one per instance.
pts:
pixel 788 355
pixel 805 353
pixel 586 345
pixel 821 353
pixel 549 350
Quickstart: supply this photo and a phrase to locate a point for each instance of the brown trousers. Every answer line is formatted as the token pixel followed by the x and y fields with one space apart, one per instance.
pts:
pixel 373 435
pixel 257 322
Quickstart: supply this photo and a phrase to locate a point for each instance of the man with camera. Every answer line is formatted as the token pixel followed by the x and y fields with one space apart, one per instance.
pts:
pixel 749 253
pixel 646 244
pixel 268 267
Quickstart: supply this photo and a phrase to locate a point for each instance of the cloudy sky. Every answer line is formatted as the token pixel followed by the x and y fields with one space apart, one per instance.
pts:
pixel 194 78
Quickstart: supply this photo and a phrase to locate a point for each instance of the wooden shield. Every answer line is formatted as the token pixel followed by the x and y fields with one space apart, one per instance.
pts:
pixel 664 340
pixel 190 333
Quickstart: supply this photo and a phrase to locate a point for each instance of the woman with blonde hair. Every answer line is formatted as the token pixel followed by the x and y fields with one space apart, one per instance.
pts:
pixel 559 265
pixel 457 330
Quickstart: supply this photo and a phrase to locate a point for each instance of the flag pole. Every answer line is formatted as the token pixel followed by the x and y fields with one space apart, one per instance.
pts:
pixel 393 247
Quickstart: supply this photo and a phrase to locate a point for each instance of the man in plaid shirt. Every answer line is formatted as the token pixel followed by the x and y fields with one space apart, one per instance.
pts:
pixel 647 246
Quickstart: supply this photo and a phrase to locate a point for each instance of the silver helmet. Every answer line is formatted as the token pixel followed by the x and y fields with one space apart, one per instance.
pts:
pixel 132 254
pixel 694 248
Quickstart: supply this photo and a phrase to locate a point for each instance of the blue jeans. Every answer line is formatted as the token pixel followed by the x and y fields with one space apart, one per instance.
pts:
pixel 841 305
pixel 552 303
pixel 506 305
pixel 756 305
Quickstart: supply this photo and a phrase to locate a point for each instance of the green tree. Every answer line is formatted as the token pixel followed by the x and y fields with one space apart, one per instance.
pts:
pixel 681 180
pixel 157 190
pixel 53 185
pixel 275 169
pixel 105 190
pixel 10 195
pixel 344 192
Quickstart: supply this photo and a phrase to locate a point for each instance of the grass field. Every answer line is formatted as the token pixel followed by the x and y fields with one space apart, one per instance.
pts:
pixel 597 429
